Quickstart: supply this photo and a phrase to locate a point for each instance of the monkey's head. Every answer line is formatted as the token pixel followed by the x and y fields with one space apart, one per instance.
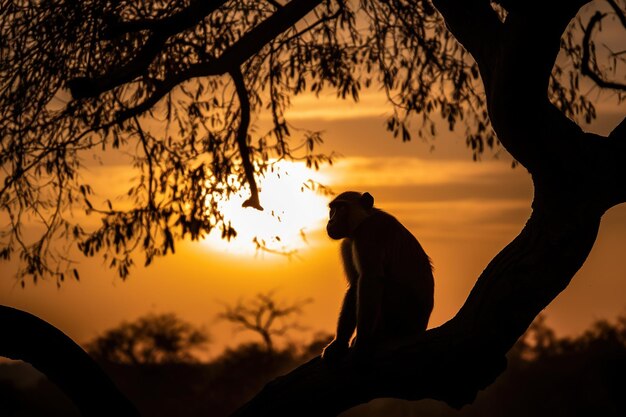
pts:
pixel 347 211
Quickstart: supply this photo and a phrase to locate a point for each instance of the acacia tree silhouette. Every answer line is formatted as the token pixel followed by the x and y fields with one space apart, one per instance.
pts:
pixel 205 67
pixel 150 339
pixel 264 315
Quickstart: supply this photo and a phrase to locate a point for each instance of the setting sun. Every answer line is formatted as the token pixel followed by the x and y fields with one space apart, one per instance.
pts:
pixel 292 210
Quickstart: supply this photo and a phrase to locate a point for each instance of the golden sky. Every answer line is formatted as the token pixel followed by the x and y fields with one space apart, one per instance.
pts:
pixel 462 212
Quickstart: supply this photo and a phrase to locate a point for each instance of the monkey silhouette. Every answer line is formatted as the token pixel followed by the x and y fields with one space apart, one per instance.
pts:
pixel 390 280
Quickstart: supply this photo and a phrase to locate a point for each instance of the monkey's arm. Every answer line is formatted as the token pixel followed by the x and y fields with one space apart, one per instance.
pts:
pixel 347 316
pixel 369 256
pixel 368 308
pixel 338 348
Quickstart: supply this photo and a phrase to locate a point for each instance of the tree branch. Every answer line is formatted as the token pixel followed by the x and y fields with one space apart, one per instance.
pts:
pixel 515 61
pixel 238 53
pixel 150 160
pixel 242 138
pixel 475 25
pixel 82 87
pixel 30 339
pixel 618 12
pixel 586 67
pixel 453 362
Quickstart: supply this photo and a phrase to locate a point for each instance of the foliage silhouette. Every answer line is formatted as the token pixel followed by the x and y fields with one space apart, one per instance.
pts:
pixel 567 376
pixel 151 339
pixel 178 84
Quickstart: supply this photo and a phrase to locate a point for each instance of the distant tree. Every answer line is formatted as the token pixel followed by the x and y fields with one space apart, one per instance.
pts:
pixel 538 340
pixel 265 316
pixel 151 339
pixel 604 330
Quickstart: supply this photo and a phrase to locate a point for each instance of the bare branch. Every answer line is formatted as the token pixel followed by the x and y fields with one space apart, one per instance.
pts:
pixel 475 25
pixel 589 66
pixel 261 315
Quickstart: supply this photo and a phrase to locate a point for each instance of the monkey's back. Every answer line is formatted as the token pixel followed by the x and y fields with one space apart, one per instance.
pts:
pixel 407 274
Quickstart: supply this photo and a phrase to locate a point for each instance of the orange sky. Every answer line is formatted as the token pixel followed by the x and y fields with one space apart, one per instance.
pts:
pixel 462 212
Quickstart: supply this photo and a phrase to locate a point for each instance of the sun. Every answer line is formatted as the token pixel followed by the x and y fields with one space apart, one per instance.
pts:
pixel 292 211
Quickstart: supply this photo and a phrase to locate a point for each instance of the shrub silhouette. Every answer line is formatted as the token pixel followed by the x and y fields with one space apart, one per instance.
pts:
pixel 151 339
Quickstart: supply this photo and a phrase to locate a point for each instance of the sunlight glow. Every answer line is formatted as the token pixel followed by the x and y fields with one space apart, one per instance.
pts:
pixel 291 212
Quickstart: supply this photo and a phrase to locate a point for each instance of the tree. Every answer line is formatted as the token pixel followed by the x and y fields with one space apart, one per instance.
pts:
pixel 178 84
pixel 264 316
pixel 151 339
pixel 128 62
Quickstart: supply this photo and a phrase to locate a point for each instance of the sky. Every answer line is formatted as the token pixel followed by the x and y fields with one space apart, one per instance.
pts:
pixel 462 212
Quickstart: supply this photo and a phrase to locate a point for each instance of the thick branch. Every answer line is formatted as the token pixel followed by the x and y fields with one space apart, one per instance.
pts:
pixel 30 339
pixel 577 178
pixel 248 45
pixel 453 362
pixel 475 25
pixel 619 133
pixel 161 30
pixel 515 61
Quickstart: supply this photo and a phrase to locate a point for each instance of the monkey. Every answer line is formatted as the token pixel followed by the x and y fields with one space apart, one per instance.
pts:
pixel 390 291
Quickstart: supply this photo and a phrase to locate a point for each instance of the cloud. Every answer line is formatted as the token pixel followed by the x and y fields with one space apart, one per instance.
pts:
pixel 408 171
pixel 330 107
pixel 443 199
pixel 462 219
